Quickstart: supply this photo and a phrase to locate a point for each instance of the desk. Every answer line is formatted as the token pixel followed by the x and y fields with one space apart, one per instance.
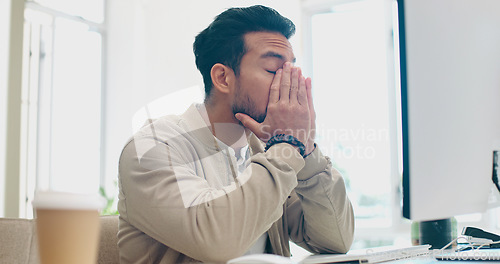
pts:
pixel 426 260
pixel 454 257
pixel 430 257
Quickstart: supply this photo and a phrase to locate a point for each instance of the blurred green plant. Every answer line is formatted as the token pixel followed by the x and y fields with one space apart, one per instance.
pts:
pixel 108 209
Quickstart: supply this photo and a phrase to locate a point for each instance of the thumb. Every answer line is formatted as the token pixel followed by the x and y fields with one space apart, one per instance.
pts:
pixel 249 123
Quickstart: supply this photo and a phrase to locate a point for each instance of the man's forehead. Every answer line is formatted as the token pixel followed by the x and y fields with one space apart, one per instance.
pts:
pixel 267 43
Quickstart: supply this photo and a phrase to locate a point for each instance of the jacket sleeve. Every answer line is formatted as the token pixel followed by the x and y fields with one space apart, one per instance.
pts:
pixel 319 214
pixel 166 198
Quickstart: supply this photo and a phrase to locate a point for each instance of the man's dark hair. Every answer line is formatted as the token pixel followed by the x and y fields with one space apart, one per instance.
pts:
pixel 223 40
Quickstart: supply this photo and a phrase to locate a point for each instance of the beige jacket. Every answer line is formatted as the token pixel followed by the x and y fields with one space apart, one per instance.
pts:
pixel 175 207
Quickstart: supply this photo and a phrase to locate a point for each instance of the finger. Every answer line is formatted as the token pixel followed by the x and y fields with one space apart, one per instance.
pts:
pixel 294 87
pixel 309 96
pixel 249 123
pixel 312 114
pixel 302 93
pixel 285 82
pixel 274 93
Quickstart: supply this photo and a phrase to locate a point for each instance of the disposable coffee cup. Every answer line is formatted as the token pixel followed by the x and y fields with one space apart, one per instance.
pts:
pixel 67 227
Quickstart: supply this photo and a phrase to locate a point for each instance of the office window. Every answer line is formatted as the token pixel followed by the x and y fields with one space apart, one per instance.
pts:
pixel 91 10
pixel 62 87
pixel 356 93
pixel 352 68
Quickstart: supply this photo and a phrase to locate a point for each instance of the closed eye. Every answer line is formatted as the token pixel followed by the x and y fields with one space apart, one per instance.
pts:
pixel 273 72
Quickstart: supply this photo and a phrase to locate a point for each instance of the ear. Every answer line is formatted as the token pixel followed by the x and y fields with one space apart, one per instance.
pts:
pixel 222 78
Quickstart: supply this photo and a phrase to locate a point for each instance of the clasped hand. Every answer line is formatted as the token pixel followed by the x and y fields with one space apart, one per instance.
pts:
pixel 290 109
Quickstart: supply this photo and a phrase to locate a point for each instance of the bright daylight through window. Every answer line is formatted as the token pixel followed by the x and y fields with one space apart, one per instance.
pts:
pixel 62 89
pixel 352 51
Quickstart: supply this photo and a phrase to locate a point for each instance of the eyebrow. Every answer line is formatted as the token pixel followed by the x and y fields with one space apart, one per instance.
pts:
pixel 271 54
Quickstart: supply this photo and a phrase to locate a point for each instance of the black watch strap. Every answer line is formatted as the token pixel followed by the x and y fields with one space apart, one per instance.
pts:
pixel 289 139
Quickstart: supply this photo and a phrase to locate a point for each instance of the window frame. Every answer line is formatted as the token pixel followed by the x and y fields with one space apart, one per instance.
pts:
pixel 400 227
pixel 29 175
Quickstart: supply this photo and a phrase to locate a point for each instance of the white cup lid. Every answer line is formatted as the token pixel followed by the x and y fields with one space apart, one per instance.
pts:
pixel 62 200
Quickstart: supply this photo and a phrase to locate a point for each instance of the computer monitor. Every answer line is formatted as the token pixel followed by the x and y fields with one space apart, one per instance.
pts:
pixel 449 54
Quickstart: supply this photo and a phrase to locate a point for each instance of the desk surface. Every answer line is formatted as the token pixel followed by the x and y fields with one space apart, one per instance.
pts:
pixel 426 260
pixel 431 259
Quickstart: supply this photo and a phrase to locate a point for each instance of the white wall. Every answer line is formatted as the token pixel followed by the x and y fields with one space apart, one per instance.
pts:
pixel 4 56
pixel 150 55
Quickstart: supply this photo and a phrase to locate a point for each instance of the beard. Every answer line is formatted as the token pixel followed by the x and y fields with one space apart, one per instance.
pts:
pixel 245 105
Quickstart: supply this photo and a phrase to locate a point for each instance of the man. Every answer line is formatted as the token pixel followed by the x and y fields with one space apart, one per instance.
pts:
pixel 240 173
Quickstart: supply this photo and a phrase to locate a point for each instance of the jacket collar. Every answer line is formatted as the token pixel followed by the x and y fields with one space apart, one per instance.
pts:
pixel 194 123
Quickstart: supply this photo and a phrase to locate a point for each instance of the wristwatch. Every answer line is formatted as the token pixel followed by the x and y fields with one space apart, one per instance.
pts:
pixel 282 138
